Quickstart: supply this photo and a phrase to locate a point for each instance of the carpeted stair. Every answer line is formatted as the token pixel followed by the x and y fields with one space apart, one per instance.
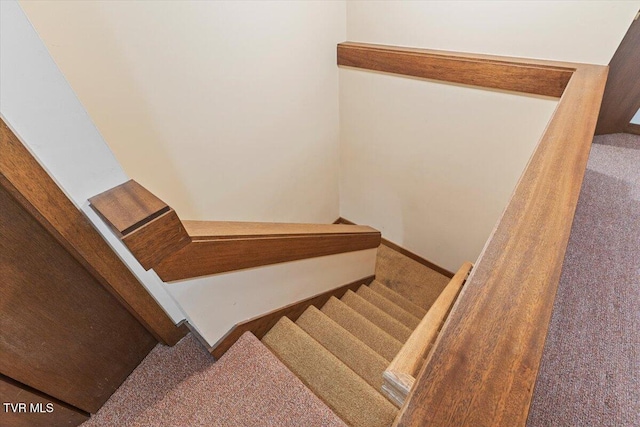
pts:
pixel 341 351
pixel 361 328
pixel 323 370
pixel 344 391
pixel 398 299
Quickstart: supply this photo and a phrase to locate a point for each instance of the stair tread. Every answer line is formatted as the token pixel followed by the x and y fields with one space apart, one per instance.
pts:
pixel 411 279
pixel 376 316
pixel 363 360
pixel 389 307
pixel 398 299
pixel 359 326
pixel 348 395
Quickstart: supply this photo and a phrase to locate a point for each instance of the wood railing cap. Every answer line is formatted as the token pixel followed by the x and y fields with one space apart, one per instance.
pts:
pixel 128 206
pixel 178 249
pixel 220 230
pixel 540 77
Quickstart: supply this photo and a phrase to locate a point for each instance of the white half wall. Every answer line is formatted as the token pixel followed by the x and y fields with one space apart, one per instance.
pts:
pixel 226 110
pixel 432 165
pixel 214 304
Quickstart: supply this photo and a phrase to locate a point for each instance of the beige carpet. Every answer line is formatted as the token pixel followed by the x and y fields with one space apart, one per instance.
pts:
pixel 417 283
pixel 361 328
pixel 359 357
pixel 387 305
pixel 341 351
pixel 378 317
pixel 338 352
pixel 399 300
pixel 344 391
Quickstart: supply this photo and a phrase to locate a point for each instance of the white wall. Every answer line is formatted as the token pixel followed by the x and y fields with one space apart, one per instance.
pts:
pixel 227 110
pixel 433 165
pixel 216 303
pixel 577 31
pixel 636 118
pixel 41 108
pixel 182 91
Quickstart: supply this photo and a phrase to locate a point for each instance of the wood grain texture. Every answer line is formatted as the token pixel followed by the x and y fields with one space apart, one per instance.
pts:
pixel 485 361
pixel 405 252
pixel 207 230
pixel 28 182
pixel 396 386
pixel 157 239
pixel 204 257
pixel 260 325
pixel 622 93
pixel 62 332
pixel 128 206
pixel 535 77
pixel 178 249
pixel 400 374
pixel 14 392
pixel 633 128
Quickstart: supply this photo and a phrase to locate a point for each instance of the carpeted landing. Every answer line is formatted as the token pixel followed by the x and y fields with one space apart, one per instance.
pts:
pixel 590 370
pixel 182 386
pixel 323 370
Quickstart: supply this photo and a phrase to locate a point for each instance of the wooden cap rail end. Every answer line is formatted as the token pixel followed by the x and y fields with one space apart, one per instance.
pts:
pixel 178 250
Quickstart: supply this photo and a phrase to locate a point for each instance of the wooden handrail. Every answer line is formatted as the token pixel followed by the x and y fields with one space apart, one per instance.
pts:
pixel 400 375
pixel 486 358
pixel 178 249
pixel 521 75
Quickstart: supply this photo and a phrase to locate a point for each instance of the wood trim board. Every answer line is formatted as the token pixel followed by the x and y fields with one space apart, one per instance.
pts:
pixel 622 93
pixel 62 332
pixel 178 250
pixel 400 375
pixel 157 239
pixel 260 325
pixel 30 184
pixel 540 78
pixel 485 361
pixel 49 411
pixel 219 230
pixel 130 207
pixel 633 128
pixel 501 319
pixel 201 258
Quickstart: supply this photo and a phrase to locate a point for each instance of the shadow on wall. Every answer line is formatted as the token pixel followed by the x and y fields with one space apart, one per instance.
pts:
pixel 145 144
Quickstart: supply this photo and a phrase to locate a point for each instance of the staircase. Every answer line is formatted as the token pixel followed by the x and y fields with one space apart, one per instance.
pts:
pixel 326 368
pixel 359 354
pixel 341 351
